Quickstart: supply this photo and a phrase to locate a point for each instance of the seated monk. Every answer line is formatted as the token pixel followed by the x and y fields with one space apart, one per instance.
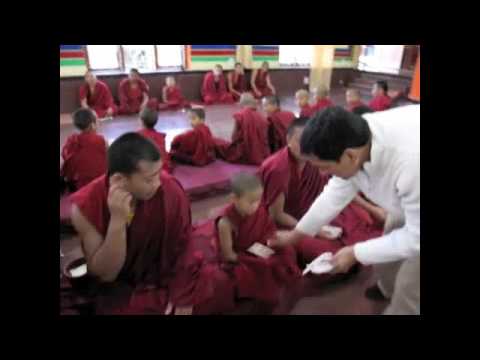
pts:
pixel 322 98
pixel 236 82
pixel 301 98
pixel 172 96
pixel 96 95
pixel 381 101
pixel 292 184
pixel 250 136
pixel 243 224
pixel 261 83
pixel 214 88
pixel 353 99
pixel 148 119
pixel 194 147
pixel 133 93
pixel 134 224
pixel 278 120
pixel 84 154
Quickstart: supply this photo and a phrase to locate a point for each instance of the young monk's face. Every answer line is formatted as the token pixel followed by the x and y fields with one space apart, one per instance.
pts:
pixel 144 183
pixel 170 81
pixel 265 66
pixel 134 76
pixel 377 90
pixel 217 71
pixel 248 203
pixel 268 107
pixel 301 100
pixel 293 142
pixel 194 119
pixel 346 167
pixel 90 78
pixel 239 69
pixel 351 97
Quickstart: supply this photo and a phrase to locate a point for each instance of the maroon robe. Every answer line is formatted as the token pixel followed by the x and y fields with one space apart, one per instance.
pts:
pixel 307 111
pixel 280 174
pixel 322 104
pixel 351 106
pixel 261 84
pixel 249 139
pixel 380 103
pixel 84 158
pixel 279 121
pixel 238 84
pixel 131 94
pixel 159 139
pixel 174 98
pixel 215 92
pixel 100 100
pixel 255 277
pixel 194 147
pixel 161 264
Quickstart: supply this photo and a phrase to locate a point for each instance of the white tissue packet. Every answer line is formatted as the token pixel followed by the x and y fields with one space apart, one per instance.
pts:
pixel 320 265
pixel 79 271
pixel 261 250
pixel 332 232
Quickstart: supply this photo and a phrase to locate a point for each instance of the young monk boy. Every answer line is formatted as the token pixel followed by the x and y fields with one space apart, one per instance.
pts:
pixel 292 184
pixel 322 99
pixel 96 95
pixel 278 120
pixel 148 119
pixel 302 97
pixel 236 82
pixel 134 224
pixel 172 96
pixel 84 154
pixel 249 143
pixel 214 87
pixel 381 101
pixel 133 93
pixel 353 99
pixel 196 146
pixel 261 83
pixel 241 234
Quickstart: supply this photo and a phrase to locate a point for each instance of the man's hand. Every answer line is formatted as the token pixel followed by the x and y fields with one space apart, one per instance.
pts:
pixel 183 310
pixel 379 214
pixel 343 260
pixel 119 202
pixel 284 238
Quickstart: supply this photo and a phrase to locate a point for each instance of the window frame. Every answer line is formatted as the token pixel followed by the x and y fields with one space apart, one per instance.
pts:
pixel 121 61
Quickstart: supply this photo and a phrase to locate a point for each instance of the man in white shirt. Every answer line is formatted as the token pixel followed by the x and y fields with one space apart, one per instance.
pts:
pixel 379 155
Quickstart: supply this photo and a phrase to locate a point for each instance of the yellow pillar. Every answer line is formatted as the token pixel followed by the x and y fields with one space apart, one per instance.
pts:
pixel 356 52
pixel 322 65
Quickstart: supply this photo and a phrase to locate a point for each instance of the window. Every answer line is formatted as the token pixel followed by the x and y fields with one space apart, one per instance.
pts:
pixel 381 58
pixel 141 57
pixel 169 55
pixel 102 57
pixel 295 55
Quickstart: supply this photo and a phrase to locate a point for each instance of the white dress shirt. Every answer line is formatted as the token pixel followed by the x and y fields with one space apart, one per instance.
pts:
pixel 391 179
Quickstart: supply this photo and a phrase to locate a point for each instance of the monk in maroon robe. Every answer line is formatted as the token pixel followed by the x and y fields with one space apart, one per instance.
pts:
pixel 278 120
pixel 214 88
pixel 292 184
pixel 302 97
pixel 353 99
pixel 172 96
pixel 241 225
pixel 96 95
pixel 149 118
pixel 261 83
pixel 322 99
pixel 249 143
pixel 133 93
pixel 194 147
pixel 84 154
pixel 236 82
pixel 381 101
pixel 135 229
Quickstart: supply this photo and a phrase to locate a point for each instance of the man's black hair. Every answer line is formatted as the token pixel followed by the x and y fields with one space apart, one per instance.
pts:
pixel 300 122
pixel 199 112
pixel 149 117
pixel 382 84
pixel 331 131
pixel 83 118
pixel 128 150
pixel 362 109
pixel 272 99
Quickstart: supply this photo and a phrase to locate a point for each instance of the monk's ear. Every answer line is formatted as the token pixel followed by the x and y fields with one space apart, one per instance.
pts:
pixel 118 179
pixel 353 155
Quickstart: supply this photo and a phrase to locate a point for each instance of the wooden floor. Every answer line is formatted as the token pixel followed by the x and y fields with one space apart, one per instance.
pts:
pixel 345 297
